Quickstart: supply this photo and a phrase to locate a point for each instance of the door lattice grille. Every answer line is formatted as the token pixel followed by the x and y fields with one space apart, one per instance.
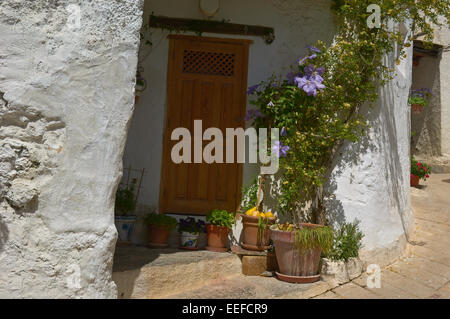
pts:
pixel 208 63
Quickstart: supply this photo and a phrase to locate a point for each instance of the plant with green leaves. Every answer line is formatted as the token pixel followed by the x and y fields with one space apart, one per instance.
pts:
pixel 220 217
pixel 318 105
pixel 160 220
pixel 347 242
pixel 309 236
pixel 249 195
pixel 420 169
pixel 125 203
pixel 420 97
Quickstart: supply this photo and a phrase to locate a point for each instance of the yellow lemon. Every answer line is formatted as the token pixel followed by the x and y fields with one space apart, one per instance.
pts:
pixel 251 211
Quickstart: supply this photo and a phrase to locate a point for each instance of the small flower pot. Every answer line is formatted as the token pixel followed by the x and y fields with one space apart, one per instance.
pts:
pixel 124 225
pixel 296 264
pixel 217 238
pixel 158 236
pixel 189 240
pixel 414 181
pixel 417 108
pixel 252 237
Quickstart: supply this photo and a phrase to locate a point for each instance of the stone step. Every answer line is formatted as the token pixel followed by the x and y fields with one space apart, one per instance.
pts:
pixel 254 287
pixel 141 272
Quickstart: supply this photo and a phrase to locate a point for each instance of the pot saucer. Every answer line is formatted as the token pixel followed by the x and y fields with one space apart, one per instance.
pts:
pixel 298 279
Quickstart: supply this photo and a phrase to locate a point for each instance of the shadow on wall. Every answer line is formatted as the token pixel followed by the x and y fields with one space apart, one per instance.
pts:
pixel 383 143
pixel 348 155
pixel 4 233
pixel 426 126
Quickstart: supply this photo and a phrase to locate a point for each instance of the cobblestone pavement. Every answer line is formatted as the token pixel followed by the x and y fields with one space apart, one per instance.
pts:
pixel 424 270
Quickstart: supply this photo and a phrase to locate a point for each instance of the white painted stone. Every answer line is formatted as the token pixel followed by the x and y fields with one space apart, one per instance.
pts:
pixel 340 272
pixel 66 98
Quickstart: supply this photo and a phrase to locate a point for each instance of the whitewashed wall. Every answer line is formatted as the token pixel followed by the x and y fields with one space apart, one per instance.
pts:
pixel 66 98
pixel 432 125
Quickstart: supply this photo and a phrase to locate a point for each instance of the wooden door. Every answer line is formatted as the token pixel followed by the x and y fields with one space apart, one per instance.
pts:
pixel 207 79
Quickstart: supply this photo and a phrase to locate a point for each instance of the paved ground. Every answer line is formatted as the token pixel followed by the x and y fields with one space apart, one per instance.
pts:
pixel 424 271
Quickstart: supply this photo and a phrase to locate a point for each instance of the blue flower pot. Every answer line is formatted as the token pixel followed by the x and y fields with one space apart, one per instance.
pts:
pixel 124 225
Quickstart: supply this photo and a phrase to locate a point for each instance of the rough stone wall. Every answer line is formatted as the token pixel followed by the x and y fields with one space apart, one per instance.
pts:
pixel 66 97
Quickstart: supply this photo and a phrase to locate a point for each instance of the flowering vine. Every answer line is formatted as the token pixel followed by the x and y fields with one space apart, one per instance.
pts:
pixel 318 103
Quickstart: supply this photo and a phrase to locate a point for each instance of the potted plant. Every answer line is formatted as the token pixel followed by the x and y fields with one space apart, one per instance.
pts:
pixel 219 224
pixel 255 223
pixel 256 232
pixel 190 229
pixel 160 226
pixel 298 250
pixel 125 206
pixel 418 99
pixel 418 171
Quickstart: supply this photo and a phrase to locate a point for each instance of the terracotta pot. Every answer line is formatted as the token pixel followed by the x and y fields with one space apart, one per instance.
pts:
pixel 417 108
pixel 158 236
pixel 296 264
pixel 414 181
pixel 252 237
pixel 217 238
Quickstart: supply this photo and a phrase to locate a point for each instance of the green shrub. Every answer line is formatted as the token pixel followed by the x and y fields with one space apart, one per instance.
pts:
pixel 221 218
pixel 420 169
pixel 347 242
pixel 160 220
pixel 125 202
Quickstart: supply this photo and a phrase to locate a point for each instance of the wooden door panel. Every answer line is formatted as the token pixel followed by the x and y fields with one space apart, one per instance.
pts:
pixel 207 80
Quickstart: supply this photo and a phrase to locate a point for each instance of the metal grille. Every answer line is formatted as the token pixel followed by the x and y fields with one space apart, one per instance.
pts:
pixel 209 63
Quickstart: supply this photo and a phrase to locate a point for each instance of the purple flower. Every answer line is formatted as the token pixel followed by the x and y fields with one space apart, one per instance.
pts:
pixel 270 104
pixel 280 149
pixel 314 73
pixel 252 89
pixel 313 49
pixel 308 85
pixel 309 57
pixel 283 131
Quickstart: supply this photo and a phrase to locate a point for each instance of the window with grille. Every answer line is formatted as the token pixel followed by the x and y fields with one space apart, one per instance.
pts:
pixel 209 63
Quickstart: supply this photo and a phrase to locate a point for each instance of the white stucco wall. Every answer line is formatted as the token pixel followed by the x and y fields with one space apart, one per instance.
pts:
pixel 432 126
pixel 67 95
pixel 370 181
pixel 426 126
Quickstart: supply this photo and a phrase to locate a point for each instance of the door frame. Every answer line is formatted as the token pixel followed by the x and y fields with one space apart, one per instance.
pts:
pixel 243 102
